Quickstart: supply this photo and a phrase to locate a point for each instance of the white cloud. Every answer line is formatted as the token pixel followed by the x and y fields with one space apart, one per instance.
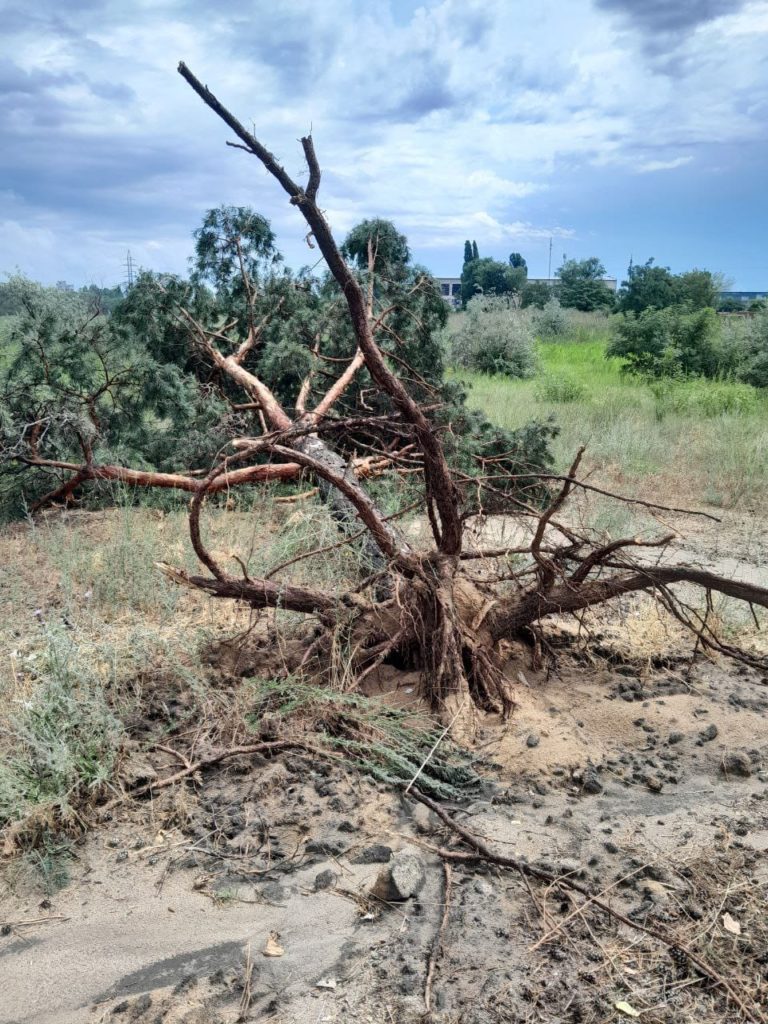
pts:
pixel 457 117
pixel 663 165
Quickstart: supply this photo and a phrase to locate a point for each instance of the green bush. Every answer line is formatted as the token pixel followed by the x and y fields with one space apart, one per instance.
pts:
pixel 672 342
pixel 697 396
pixel 64 739
pixel 552 321
pixel 754 364
pixel 494 337
pixel 559 388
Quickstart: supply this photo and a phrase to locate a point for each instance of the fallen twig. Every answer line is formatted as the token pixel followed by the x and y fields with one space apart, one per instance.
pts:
pixel 33 922
pixel 482 851
pixel 434 956
pixel 215 758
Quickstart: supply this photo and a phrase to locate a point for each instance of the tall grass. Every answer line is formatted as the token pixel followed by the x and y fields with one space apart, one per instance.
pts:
pixel 702 440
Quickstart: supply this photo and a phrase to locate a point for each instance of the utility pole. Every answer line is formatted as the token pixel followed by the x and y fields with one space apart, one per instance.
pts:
pixel 549 265
pixel 129 267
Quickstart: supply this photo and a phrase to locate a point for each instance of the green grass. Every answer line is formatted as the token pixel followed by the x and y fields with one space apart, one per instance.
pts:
pixel 699 440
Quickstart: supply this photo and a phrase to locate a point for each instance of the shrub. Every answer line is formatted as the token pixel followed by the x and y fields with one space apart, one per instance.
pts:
pixel 670 342
pixel 559 388
pixel 552 321
pixel 754 360
pixel 535 293
pixel 495 338
pixel 697 396
pixel 64 741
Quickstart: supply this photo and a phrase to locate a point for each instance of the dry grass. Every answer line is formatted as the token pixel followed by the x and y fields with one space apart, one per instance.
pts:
pixel 97 647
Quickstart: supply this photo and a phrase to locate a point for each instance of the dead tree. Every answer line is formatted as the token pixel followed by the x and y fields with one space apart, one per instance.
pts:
pixel 438 613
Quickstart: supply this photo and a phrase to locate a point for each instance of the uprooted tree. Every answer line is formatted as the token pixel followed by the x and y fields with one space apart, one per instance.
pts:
pixel 448 610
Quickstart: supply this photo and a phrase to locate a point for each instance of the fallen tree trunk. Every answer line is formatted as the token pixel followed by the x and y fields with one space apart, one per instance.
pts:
pixel 438 617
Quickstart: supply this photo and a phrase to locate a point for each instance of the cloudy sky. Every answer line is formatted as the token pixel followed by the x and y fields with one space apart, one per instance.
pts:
pixel 613 127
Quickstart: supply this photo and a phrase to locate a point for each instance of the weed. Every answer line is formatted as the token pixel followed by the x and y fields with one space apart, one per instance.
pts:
pixel 388 744
pixel 557 388
pixel 699 397
pixel 64 741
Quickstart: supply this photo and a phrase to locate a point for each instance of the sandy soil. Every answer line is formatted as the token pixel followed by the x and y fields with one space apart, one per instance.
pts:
pixel 629 767
pixel 599 773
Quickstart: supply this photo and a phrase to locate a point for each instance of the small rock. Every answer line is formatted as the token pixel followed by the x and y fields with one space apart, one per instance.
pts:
pixel 377 854
pixel 709 733
pixel 142 1004
pixel 592 783
pixel 403 877
pixel 654 783
pixel 675 737
pixel 330 847
pixel 533 740
pixel 654 890
pixel 325 880
pixel 737 763
pixel 136 771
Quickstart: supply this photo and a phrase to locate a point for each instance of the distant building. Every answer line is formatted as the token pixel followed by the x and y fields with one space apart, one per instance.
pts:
pixel 450 287
pixel 744 296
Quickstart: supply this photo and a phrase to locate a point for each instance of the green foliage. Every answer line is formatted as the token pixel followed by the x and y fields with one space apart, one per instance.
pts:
pixel 698 396
pixel 672 341
pixel 467 251
pixel 698 289
pixel 494 338
pixel 559 388
pixel 516 260
pixel 137 388
pixel 388 744
pixel 65 740
pixel 536 293
pixel 652 287
pixel 753 368
pixel 720 459
pixel 581 285
pixel 647 286
pixel 10 302
pixel 232 243
pixel 551 321
pixel 490 277
pixel 80 386
pixel 475 253
pixel 388 246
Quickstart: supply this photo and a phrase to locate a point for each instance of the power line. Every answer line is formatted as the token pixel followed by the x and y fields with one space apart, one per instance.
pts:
pixel 129 270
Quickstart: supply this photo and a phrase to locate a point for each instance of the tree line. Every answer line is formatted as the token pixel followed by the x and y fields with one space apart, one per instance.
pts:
pixel 580 284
